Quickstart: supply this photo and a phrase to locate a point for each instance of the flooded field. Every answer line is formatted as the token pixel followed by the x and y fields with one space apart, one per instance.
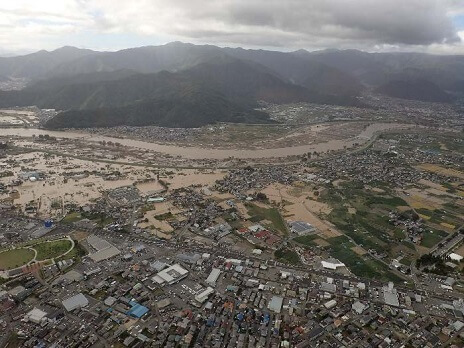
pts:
pixel 192 177
pixel 329 144
pixel 66 181
pixel 18 117
pixel 299 207
pixel 52 182
pixel 9 120
pixel 149 187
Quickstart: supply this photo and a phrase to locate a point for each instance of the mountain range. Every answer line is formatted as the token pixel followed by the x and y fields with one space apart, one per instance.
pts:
pixel 186 85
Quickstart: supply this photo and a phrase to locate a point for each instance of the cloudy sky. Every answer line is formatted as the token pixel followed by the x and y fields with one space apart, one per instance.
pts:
pixel 435 26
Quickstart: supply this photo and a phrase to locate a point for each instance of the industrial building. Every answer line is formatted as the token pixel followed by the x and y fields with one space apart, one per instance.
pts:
pixel 359 307
pixel 330 304
pixel 137 310
pixel 203 296
pixel 104 249
pixel 332 264
pixel 301 228
pixel 275 304
pixel 213 277
pixel 390 295
pixel 74 302
pixel 36 315
pixel 170 275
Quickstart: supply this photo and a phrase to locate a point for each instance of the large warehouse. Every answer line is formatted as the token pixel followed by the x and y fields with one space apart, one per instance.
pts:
pixel 170 275
pixel 74 302
pixel 213 277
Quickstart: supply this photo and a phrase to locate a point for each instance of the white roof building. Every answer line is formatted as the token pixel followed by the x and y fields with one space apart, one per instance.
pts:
pixel 17 290
pixel 98 243
pixel 332 264
pixel 390 295
pixel 233 261
pixel 109 301
pixel 203 296
pixel 213 277
pixel 36 315
pixel 359 307
pixel 171 275
pixel 74 302
pixel 457 325
pixel 104 249
pixel 330 304
pixel 256 228
pixel 105 254
pixel 328 287
pixel 275 304
pixel 456 257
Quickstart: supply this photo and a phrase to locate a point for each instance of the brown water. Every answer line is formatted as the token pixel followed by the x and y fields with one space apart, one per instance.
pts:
pixel 211 153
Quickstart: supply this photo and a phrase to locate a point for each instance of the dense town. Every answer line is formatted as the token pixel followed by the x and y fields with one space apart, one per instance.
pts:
pixel 109 245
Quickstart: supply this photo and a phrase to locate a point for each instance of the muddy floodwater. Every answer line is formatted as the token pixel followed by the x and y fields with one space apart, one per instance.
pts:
pixel 211 153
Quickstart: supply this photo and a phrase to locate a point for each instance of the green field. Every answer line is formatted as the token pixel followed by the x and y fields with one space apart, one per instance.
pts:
pixel 452 215
pixel 340 248
pixel 72 217
pixel 287 256
pixel 15 258
pixel 429 238
pixel 369 226
pixel 99 218
pixel 271 214
pixel 49 250
pixel 307 240
pixel 77 252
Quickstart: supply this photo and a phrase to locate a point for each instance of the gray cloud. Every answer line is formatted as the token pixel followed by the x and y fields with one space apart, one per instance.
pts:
pixel 411 22
pixel 312 24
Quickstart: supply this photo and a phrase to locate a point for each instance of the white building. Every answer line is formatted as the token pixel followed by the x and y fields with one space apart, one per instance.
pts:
pixel 332 264
pixel 213 277
pixel 74 302
pixel 235 262
pixel 104 249
pixel 170 275
pixel 390 295
pixel 359 307
pixel 203 296
pixel 330 304
pixel 36 316
pixel 455 257
pixel 275 304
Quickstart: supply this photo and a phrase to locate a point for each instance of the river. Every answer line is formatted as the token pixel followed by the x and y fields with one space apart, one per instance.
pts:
pixel 211 153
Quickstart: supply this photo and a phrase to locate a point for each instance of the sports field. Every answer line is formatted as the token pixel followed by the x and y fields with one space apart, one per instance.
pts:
pixel 15 258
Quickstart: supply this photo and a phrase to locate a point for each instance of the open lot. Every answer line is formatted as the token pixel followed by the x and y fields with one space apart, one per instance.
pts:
pixel 15 258
pixel 52 249
pixel 441 170
pixel 287 256
pixel 298 203
pixel 261 213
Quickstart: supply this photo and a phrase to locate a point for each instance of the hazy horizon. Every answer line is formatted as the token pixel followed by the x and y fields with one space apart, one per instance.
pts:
pixel 271 49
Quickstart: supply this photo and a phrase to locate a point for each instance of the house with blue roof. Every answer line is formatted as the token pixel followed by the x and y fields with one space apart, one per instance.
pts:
pixel 137 310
